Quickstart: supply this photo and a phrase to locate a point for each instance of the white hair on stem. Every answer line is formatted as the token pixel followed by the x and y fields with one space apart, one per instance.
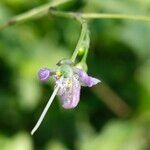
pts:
pixel 45 109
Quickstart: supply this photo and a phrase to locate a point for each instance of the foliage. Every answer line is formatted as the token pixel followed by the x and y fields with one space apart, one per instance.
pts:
pixel 119 55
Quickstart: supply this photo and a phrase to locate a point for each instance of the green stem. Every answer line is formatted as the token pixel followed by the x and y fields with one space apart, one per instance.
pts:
pixel 87 39
pixel 43 10
pixel 34 13
pixel 83 16
pixel 83 60
pixel 83 28
pixel 115 16
pixel 82 35
pixel 100 16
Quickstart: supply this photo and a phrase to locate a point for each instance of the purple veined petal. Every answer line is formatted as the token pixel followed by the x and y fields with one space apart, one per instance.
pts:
pixel 90 81
pixel 44 74
pixel 69 93
pixel 85 79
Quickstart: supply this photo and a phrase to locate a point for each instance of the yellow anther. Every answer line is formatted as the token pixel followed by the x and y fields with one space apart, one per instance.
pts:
pixel 58 73
pixel 69 83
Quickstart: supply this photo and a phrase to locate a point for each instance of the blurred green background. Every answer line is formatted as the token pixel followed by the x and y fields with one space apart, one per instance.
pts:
pixel 112 116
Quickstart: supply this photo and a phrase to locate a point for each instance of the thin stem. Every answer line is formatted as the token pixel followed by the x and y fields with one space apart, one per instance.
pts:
pixel 101 16
pixel 34 13
pixel 45 110
pixel 87 40
pixel 81 16
pixel 83 27
pixel 115 16
pixel 43 10
pixel 85 56
pixel 82 35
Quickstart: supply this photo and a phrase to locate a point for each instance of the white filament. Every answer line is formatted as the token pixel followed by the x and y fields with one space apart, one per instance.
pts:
pixel 45 109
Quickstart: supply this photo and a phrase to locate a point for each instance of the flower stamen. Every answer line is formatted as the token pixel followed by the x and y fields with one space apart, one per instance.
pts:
pixel 59 73
pixel 45 110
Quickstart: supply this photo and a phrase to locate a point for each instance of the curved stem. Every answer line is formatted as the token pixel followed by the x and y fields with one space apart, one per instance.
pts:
pixel 81 16
pixel 82 35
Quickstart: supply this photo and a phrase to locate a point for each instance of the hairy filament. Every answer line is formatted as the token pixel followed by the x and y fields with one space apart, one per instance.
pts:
pixel 45 110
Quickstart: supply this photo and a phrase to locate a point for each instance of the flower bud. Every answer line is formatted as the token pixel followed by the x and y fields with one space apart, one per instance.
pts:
pixel 44 74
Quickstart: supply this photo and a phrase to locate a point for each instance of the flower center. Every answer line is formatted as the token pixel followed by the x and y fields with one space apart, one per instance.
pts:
pixel 65 71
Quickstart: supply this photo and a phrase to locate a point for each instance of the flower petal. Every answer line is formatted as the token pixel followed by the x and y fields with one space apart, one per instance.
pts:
pixel 44 74
pixel 85 79
pixel 91 81
pixel 69 93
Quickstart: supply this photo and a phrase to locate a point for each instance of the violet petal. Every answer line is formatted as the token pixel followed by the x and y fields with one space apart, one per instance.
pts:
pixel 69 93
pixel 85 79
pixel 90 81
pixel 44 74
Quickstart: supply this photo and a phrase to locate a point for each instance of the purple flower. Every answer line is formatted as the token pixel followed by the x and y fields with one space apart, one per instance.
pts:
pixel 69 80
pixel 70 88
pixel 70 85
pixel 44 74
